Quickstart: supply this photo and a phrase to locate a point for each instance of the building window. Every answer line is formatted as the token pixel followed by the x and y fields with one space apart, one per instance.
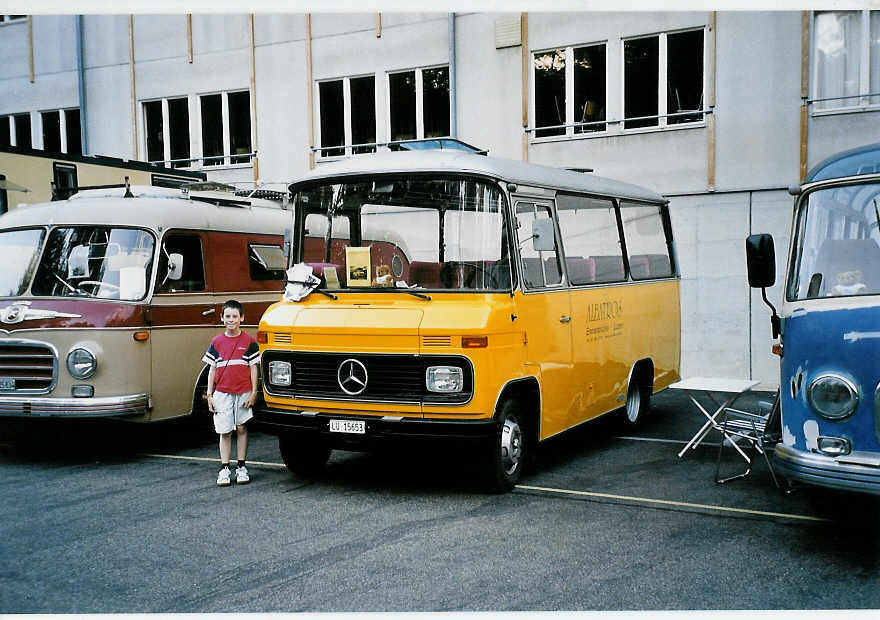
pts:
pixel 226 128
pixel 846 59
pixel 12 18
pixel 347 109
pixel 572 74
pixel 166 129
pixel 418 104
pixel 5 131
pixel 21 125
pixel 61 131
pixel 663 79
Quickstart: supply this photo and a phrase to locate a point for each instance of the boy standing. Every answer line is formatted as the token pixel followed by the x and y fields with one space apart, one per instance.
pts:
pixel 232 388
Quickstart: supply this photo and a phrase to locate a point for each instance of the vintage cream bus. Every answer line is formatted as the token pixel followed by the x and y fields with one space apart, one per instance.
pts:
pixel 107 302
pixel 467 297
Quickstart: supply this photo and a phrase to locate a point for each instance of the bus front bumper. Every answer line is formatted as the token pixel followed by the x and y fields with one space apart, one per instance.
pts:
pixel 377 429
pixel 105 407
pixel 859 471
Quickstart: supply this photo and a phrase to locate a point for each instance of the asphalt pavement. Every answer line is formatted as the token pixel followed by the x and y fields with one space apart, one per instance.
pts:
pixel 105 517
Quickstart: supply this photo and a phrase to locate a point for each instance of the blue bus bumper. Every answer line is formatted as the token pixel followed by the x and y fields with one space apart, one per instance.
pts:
pixel 859 471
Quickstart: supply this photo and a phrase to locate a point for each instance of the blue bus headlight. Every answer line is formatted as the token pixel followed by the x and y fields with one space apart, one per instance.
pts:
pixel 833 397
pixel 280 373
pixel 444 379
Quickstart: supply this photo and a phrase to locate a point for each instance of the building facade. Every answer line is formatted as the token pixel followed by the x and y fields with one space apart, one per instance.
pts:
pixel 720 111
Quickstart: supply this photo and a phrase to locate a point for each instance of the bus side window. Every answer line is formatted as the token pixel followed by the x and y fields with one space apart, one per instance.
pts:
pixel 646 241
pixel 193 277
pixel 590 238
pixel 540 268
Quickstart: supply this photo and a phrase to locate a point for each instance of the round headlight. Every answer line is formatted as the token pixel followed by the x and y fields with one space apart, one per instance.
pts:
pixel 81 363
pixel 833 396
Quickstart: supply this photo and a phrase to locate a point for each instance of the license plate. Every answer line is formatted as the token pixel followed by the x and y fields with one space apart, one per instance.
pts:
pixel 7 383
pixel 358 427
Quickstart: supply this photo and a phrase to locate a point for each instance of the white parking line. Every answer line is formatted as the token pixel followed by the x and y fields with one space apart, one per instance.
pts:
pixel 666 502
pixel 525 487
pixel 658 440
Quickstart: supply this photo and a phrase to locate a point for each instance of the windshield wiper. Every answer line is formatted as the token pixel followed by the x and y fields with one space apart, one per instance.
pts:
pixel 415 294
pixel 316 289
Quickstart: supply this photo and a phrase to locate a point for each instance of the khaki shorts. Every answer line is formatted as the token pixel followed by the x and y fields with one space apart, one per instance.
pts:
pixel 229 411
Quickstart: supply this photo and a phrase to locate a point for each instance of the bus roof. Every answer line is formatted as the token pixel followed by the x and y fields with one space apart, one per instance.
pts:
pixel 152 207
pixel 508 170
pixel 861 160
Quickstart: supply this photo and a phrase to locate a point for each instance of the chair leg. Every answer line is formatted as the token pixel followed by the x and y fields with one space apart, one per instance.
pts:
pixel 725 437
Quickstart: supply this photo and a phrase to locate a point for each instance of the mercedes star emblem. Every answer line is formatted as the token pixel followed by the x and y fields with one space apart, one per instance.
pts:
pixel 352 377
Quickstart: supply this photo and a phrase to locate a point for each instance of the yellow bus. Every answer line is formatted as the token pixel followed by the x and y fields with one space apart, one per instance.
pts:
pixel 28 176
pixel 468 298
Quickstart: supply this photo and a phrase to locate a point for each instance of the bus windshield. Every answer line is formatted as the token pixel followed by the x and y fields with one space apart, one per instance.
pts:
pixel 95 261
pixel 422 232
pixel 19 250
pixel 837 243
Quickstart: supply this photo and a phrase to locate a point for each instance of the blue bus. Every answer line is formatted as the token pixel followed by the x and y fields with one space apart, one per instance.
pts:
pixel 829 325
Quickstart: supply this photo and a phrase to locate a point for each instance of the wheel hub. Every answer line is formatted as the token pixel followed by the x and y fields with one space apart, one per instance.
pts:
pixel 511 445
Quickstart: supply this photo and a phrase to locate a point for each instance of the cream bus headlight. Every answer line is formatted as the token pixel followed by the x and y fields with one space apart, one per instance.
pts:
pixel 444 379
pixel 280 373
pixel 81 363
pixel 833 397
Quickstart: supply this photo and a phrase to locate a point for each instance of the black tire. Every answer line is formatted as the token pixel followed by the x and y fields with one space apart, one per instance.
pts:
pixel 304 457
pixel 508 450
pixel 638 404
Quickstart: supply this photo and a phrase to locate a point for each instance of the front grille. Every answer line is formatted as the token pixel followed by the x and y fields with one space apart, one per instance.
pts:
pixel 26 367
pixel 391 378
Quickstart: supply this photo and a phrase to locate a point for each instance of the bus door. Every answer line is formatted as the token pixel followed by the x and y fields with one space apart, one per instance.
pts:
pixel 594 263
pixel 544 311
pixel 185 316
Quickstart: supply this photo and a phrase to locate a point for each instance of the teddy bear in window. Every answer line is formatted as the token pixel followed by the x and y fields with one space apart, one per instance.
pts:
pixel 383 276
pixel 849 283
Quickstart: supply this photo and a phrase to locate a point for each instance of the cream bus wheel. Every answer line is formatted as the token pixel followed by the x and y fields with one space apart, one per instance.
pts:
pixel 302 456
pixel 508 451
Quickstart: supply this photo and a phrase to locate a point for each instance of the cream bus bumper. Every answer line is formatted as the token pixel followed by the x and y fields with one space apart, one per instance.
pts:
pixel 859 471
pixel 110 406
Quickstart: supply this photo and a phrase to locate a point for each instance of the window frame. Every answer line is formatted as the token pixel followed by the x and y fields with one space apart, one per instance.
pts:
pixel 420 95
pixel 347 147
pixel 862 99
pixel 662 83
pixel 228 156
pixel 569 129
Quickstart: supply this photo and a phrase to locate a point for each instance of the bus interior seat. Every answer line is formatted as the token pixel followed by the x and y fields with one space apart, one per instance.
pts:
pixel 639 267
pixel 425 274
pixel 533 275
pixel 838 256
pixel 609 268
pixel 581 270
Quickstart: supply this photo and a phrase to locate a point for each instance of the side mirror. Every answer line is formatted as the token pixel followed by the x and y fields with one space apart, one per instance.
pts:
pixel 78 262
pixel 542 236
pixel 175 266
pixel 761 261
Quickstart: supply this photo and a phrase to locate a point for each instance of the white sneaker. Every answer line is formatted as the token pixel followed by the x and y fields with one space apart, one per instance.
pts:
pixel 224 477
pixel 241 475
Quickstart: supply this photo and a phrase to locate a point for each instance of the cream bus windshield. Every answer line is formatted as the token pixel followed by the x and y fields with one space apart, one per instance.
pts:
pixel 837 251
pixel 19 250
pixel 95 261
pixel 406 232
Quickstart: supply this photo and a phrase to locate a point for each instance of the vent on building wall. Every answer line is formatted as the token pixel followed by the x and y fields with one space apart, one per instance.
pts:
pixel 507 32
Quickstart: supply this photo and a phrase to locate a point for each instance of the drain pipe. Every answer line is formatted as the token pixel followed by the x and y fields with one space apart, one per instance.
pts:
pixel 81 87
pixel 453 122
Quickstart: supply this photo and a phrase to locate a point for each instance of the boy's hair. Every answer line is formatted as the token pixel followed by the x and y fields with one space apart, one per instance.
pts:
pixel 232 304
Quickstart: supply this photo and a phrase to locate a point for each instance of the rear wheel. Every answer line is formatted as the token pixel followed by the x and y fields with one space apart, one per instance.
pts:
pixel 304 456
pixel 638 403
pixel 508 450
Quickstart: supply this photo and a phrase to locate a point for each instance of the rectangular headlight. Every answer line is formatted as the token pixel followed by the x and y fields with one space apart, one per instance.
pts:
pixel 444 379
pixel 280 373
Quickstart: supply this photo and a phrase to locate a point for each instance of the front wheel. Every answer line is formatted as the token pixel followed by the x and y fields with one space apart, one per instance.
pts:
pixel 508 450
pixel 303 457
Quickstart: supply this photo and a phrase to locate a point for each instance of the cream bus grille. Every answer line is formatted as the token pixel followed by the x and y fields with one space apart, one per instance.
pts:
pixel 26 368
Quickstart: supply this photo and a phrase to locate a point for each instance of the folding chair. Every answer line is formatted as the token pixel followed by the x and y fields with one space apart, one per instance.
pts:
pixel 761 431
